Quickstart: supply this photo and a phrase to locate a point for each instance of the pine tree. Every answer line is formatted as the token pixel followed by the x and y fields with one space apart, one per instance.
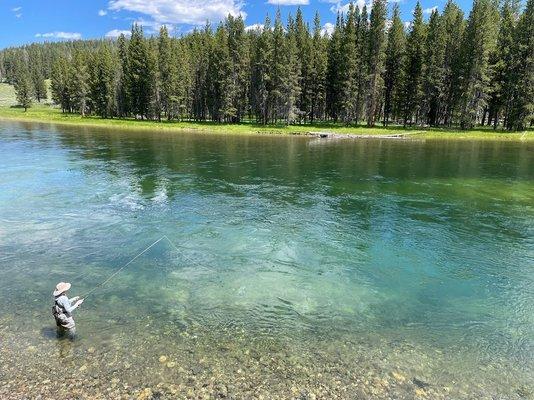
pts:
pixel 79 81
pixel 501 66
pixel 184 78
pixel 413 70
pixel 454 26
pixel 478 42
pixel 60 84
pixel 318 72
pixel 102 82
pixel 220 72
pixel 23 86
pixel 394 61
pixel 433 73
pixel 123 106
pixel 38 81
pixel 138 74
pixel 279 70
pixel 348 67
pixel 167 73
pixel 362 50
pixel 304 64
pixel 292 88
pixel 521 113
pixel 334 84
pixel 238 48
pixel 201 43
pixel 261 72
pixel 376 59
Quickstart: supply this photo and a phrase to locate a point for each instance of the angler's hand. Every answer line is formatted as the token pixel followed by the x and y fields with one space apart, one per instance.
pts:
pixel 75 298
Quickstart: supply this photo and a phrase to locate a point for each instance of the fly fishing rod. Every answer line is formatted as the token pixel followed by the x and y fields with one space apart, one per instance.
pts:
pixel 135 258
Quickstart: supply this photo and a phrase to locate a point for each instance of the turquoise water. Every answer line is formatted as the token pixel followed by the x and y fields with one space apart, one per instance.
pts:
pixel 303 267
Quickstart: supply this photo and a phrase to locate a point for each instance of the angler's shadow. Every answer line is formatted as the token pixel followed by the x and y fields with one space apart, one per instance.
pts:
pixel 49 333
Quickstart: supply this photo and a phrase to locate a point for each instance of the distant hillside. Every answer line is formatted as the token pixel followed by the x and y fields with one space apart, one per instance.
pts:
pixel 7 95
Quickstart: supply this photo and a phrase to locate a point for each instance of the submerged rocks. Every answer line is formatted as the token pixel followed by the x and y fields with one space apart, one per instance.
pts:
pixel 400 378
pixel 146 394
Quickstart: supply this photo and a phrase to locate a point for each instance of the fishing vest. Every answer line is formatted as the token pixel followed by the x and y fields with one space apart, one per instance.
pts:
pixel 60 314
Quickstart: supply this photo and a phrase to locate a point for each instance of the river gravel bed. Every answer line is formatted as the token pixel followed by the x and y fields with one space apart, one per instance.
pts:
pixel 232 363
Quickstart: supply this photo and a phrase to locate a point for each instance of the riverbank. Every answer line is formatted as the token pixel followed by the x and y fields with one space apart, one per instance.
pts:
pixel 48 114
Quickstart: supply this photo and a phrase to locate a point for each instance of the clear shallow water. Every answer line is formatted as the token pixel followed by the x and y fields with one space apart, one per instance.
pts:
pixel 377 268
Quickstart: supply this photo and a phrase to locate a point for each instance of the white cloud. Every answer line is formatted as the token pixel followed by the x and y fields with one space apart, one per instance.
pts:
pixel 60 35
pixel 430 10
pixel 344 9
pixel 17 11
pixel 254 27
pixel 192 12
pixel 102 12
pixel 115 33
pixel 289 2
pixel 327 29
pixel 407 25
pixel 151 27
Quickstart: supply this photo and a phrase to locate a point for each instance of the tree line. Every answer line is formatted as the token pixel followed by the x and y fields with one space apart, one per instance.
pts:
pixel 445 71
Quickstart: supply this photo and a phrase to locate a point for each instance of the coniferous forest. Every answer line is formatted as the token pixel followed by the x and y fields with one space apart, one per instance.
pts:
pixel 446 70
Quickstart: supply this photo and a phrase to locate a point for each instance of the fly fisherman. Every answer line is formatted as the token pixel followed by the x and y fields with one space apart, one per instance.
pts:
pixel 63 308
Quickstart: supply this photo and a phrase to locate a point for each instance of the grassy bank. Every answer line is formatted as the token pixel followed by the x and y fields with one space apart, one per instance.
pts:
pixel 43 113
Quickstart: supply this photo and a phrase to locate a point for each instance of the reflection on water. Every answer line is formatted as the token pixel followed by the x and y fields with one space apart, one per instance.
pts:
pixel 302 269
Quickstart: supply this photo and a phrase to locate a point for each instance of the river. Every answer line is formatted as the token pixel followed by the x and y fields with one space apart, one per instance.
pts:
pixel 292 267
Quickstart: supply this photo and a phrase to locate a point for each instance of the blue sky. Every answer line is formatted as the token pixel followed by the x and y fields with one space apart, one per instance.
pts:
pixel 26 21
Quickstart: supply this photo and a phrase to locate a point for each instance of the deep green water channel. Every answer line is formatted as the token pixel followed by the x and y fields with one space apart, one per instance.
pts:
pixel 306 267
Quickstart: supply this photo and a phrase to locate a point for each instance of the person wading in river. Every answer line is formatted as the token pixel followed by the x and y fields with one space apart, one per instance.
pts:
pixel 63 308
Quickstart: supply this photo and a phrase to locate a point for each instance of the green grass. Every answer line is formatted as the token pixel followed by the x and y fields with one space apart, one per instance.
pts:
pixel 44 113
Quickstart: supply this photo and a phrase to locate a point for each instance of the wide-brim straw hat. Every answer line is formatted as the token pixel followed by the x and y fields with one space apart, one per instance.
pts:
pixel 61 287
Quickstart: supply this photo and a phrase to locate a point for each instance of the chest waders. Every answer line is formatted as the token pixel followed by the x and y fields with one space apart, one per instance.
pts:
pixel 63 318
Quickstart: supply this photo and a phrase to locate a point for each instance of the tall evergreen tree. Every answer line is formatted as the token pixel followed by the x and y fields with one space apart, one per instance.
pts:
pixel 79 82
pixel 38 81
pixel 454 26
pixel 478 42
pixel 262 73
pixel 348 66
pixel 23 86
pixel 304 64
pixel 184 78
pixel 376 59
pixel 362 67
pixel 434 70
pixel 318 72
pixel 238 47
pixel 123 105
pixel 102 71
pixel 413 69
pixel 521 113
pixel 279 70
pixel 60 84
pixel 220 72
pixel 167 73
pixel 293 80
pixel 138 74
pixel 394 62
pixel 334 81
pixel 501 66
pixel 201 43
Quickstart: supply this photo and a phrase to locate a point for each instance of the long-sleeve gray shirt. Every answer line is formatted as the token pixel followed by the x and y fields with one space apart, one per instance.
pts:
pixel 67 304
